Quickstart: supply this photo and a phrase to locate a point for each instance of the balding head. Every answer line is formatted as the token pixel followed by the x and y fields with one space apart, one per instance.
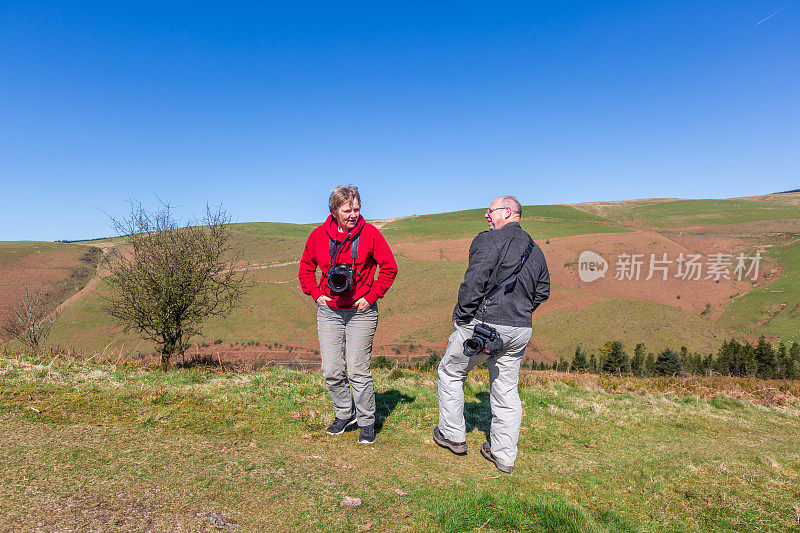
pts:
pixel 512 203
pixel 503 210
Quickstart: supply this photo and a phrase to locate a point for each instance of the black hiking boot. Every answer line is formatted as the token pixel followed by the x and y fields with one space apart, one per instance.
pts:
pixel 367 435
pixel 340 425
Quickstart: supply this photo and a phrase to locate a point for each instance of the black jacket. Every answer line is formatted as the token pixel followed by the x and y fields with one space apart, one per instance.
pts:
pixel 493 256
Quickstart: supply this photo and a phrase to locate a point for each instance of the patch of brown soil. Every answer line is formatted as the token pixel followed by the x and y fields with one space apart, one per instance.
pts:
pixel 698 296
pixel 381 222
pixel 453 251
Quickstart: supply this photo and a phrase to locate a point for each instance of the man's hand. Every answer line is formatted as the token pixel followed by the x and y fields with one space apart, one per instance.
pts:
pixel 322 300
pixel 363 304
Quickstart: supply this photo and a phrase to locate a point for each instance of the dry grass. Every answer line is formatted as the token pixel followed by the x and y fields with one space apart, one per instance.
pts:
pixel 770 392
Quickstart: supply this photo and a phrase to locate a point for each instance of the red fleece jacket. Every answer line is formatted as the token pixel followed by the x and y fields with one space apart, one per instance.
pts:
pixel 372 253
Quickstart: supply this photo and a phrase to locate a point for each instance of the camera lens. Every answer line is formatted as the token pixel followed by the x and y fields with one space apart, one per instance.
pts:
pixel 338 282
pixel 473 346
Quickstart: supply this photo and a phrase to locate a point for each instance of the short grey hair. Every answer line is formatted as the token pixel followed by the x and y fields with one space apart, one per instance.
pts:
pixel 341 195
pixel 512 203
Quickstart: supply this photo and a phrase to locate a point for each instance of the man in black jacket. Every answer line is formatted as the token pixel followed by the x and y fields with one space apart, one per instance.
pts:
pixel 494 257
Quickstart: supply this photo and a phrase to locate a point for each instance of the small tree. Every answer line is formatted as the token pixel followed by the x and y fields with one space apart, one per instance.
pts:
pixel 637 363
pixel 169 278
pixel 765 358
pixel 616 360
pixel 668 363
pixel 30 320
pixel 794 355
pixel 579 361
pixel 650 364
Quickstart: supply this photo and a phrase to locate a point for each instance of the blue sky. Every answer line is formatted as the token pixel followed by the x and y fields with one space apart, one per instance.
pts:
pixel 426 107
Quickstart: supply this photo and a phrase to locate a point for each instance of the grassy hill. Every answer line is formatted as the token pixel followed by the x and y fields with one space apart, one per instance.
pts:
pixel 432 251
pixel 711 213
pixel 541 221
pixel 774 308
pixel 88 446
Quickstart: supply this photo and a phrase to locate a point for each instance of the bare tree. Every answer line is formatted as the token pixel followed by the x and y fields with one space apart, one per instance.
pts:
pixel 31 320
pixel 168 278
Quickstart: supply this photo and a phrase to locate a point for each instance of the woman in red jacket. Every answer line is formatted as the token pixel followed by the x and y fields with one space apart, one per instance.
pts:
pixel 347 251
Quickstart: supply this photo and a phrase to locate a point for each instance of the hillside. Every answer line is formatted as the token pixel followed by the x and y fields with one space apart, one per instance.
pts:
pixel 432 250
pixel 54 269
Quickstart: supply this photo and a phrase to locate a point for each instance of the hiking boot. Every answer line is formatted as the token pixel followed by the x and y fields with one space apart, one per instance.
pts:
pixel 458 448
pixel 367 435
pixel 486 451
pixel 340 425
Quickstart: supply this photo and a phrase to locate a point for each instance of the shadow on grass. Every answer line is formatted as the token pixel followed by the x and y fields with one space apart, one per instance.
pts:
pixel 386 402
pixel 478 414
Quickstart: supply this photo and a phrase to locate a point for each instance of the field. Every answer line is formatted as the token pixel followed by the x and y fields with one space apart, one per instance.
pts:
pixel 90 446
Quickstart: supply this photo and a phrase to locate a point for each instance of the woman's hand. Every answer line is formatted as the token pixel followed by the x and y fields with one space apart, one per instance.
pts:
pixel 322 300
pixel 363 304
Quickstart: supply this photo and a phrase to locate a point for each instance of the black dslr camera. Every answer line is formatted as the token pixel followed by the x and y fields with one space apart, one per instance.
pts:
pixel 340 278
pixel 484 339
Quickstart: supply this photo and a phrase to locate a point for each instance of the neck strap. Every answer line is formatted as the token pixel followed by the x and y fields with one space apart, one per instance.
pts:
pixel 335 246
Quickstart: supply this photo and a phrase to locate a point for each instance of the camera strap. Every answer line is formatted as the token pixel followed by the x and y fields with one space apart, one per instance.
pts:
pixel 334 247
pixel 510 282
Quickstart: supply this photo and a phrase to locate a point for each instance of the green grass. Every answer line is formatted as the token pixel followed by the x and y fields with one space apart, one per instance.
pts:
pixel 764 312
pixel 628 320
pixel 711 212
pixel 88 446
pixel 541 221
pixel 86 327
pixel 274 229
pixel 273 310
pixel 271 242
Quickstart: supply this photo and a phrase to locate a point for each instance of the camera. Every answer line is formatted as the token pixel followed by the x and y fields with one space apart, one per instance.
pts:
pixel 484 339
pixel 340 278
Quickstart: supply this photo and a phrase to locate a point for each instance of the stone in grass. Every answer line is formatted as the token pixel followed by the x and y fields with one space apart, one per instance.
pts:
pixel 352 503
pixel 400 492
pixel 217 521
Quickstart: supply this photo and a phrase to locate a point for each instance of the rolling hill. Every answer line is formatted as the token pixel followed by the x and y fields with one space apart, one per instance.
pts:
pixel 431 251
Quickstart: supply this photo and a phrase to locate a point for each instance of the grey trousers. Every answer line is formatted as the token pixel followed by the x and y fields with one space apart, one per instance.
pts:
pixel 345 342
pixel 503 379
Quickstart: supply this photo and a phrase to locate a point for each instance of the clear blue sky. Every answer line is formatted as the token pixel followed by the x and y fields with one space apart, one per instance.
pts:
pixel 426 107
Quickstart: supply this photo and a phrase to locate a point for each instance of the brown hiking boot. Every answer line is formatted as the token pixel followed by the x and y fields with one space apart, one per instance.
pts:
pixel 458 448
pixel 486 451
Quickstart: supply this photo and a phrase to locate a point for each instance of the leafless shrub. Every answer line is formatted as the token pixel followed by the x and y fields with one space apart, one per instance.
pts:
pixel 30 320
pixel 168 278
